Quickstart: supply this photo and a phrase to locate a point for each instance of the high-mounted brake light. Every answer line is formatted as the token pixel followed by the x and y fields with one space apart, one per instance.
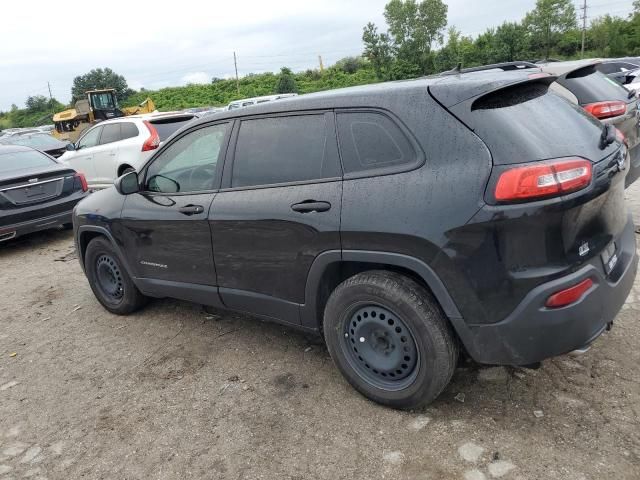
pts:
pixel 546 179
pixel 569 295
pixel 153 141
pixel 602 110
pixel 80 182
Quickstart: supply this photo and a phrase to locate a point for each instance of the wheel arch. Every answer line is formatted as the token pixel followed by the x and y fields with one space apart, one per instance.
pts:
pixel 331 268
pixel 86 233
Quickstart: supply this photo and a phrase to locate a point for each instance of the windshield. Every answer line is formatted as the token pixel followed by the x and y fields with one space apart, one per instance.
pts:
pixel 16 161
pixel 103 101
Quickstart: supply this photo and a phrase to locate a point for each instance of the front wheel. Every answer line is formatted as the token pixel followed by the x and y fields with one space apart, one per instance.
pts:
pixel 390 339
pixel 109 281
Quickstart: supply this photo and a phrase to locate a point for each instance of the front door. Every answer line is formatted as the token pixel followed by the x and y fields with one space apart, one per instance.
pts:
pixel 82 158
pixel 280 209
pixel 166 224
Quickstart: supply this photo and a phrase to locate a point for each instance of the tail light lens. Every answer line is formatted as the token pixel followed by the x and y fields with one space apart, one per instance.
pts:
pixel 153 141
pixel 546 179
pixel 80 182
pixel 569 295
pixel 602 110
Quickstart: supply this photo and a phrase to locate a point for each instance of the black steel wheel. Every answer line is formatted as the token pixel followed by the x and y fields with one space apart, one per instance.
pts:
pixel 390 339
pixel 380 347
pixel 109 278
pixel 109 281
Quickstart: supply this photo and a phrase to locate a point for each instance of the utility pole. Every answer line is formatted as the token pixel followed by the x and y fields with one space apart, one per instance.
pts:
pixel 584 26
pixel 50 96
pixel 235 64
pixel 321 64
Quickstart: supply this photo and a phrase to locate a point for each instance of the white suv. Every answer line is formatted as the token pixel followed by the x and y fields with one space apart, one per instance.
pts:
pixel 107 150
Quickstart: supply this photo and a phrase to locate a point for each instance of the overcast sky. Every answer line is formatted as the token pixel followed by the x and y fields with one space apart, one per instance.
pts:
pixel 155 45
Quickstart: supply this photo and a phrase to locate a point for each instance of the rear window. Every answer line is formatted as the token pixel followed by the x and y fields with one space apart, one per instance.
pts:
pixel 590 86
pixel 168 126
pixel 526 123
pixel 16 161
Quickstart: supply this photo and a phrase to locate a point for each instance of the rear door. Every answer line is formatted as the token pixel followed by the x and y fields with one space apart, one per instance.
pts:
pixel 167 234
pixel 279 210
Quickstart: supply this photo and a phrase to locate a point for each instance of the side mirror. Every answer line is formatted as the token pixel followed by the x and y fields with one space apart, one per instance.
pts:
pixel 70 147
pixel 127 184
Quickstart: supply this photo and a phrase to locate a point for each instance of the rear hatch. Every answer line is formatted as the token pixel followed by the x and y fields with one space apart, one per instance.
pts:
pixel 33 188
pixel 536 239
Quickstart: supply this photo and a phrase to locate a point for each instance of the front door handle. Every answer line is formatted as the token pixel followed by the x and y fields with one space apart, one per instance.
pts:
pixel 191 209
pixel 310 206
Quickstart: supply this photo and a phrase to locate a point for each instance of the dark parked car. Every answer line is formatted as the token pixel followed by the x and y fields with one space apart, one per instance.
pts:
pixel 405 222
pixel 40 141
pixel 618 69
pixel 36 192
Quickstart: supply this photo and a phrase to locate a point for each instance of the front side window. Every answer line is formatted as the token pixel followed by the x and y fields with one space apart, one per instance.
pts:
pixel 371 140
pixel 90 139
pixel 188 164
pixel 283 149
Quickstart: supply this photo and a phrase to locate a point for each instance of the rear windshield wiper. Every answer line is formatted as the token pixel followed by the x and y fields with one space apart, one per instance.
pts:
pixel 632 93
pixel 608 136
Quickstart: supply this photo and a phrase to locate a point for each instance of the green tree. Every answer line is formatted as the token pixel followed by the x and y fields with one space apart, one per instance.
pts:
pixel 606 36
pixel 286 82
pixel 377 48
pixel 37 103
pixel 548 22
pixel 100 78
pixel 511 42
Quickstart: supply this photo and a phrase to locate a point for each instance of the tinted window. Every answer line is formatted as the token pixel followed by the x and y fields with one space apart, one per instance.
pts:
pixel 590 86
pixel 283 149
pixel 128 130
pixel 110 133
pixel 526 123
pixel 188 164
pixel 169 126
pixel 35 141
pixel 17 161
pixel 90 139
pixel 371 140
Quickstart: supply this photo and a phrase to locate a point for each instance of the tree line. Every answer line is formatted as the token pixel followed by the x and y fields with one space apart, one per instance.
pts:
pixel 416 40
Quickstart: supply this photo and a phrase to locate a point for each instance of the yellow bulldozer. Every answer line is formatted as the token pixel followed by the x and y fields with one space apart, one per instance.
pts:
pixel 98 106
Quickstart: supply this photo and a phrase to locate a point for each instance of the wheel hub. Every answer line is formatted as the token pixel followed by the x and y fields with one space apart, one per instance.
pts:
pixel 380 346
pixel 109 277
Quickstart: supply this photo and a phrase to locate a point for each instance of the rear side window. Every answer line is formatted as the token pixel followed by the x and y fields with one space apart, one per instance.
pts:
pixel 591 86
pixel 370 140
pixel 168 126
pixel 128 130
pixel 526 123
pixel 282 150
pixel 110 133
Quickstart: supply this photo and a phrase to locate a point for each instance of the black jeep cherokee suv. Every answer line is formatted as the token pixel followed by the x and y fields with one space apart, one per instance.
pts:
pixel 404 221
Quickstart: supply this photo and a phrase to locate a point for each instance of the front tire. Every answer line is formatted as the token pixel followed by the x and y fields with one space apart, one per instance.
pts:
pixel 109 281
pixel 389 338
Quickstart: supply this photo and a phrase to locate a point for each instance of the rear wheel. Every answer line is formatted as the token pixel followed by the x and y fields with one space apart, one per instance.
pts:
pixel 109 281
pixel 390 339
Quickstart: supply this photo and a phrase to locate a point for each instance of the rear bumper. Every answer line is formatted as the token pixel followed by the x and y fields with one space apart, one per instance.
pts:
pixel 533 332
pixel 12 231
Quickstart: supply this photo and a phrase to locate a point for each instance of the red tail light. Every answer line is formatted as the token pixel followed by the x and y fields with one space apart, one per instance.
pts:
pixel 569 295
pixel 153 141
pixel 543 180
pixel 80 182
pixel 602 110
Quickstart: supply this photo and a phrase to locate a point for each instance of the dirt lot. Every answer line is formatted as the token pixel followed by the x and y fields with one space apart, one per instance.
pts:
pixel 175 392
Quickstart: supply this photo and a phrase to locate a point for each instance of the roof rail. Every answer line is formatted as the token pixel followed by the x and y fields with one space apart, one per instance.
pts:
pixel 506 66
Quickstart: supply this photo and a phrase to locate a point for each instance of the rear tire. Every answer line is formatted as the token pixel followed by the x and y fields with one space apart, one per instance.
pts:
pixel 389 338
pixel 109 281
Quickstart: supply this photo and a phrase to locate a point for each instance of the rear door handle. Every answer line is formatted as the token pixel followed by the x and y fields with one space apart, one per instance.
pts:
pixel 191 209
pixel 310 206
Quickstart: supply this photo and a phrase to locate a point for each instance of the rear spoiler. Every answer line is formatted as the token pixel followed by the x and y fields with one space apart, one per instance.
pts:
pixel 449 93
pixel 505 67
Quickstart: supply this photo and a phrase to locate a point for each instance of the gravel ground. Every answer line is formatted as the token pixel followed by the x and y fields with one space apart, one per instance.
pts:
pixel 175 392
